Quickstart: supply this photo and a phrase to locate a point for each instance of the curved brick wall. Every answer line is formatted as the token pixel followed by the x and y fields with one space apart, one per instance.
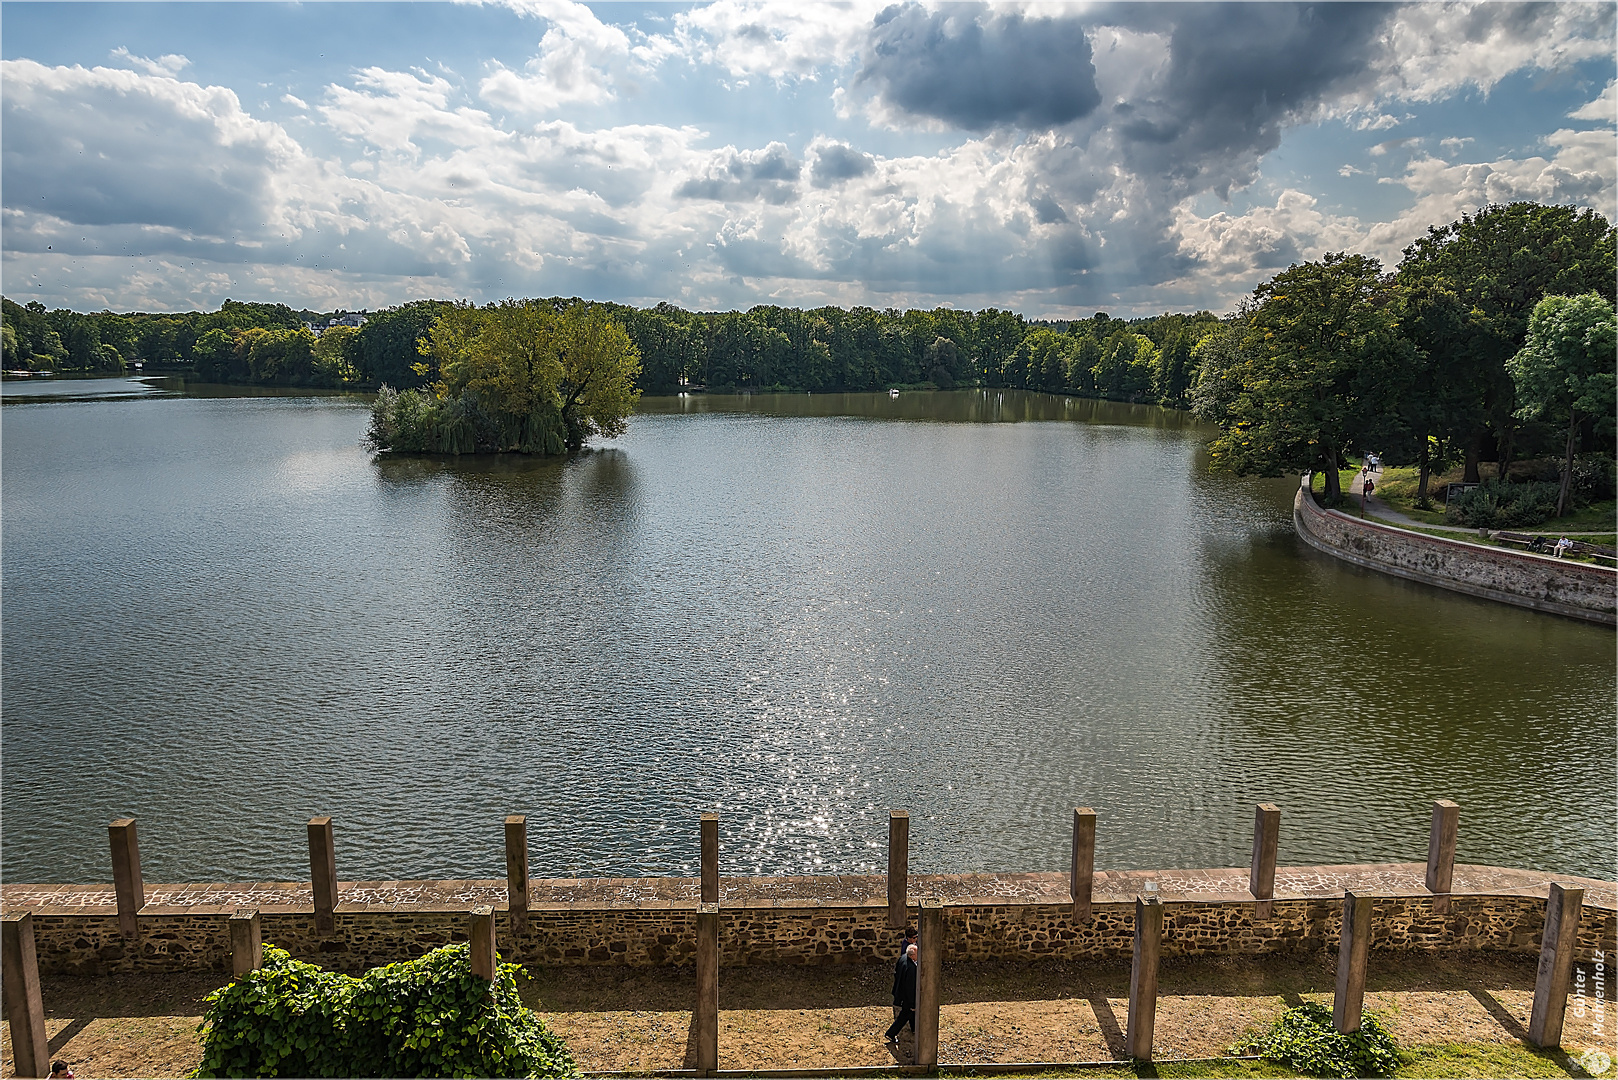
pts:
pixel 1577 590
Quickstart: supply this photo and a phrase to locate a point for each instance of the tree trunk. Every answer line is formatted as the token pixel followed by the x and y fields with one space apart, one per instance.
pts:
pixel 1334 486
pixel 1421 486
pixel 1506 448
pixel 1567 463
pixel 1474 450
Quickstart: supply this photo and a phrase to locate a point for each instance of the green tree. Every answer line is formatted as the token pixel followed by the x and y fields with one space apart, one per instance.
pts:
pixel 1501 261
pixel 1320 348
pixel 333 357
pixel 1566 368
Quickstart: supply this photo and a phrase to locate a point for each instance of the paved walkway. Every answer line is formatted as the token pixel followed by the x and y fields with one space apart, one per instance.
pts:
pixel 1375 507
pixel 1111 886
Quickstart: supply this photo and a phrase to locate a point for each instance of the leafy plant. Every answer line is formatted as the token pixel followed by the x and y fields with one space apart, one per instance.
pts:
pixel 1493 505
pixel 1304 1039
pixel 424 1017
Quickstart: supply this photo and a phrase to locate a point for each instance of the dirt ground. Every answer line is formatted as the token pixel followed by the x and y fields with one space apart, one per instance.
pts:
pixel 637 1019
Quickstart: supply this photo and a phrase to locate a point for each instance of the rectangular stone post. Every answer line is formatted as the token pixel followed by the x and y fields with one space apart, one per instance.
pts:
pixel 481 932
pixel 1562 913
pixel 1266 841
pixel 19 983
pixel 246 942
pixel 1143 977
pixel 323 874
pixel 929 980
pixel 710 858
pixel 898 868
pixel 1082 881
pixel 1353 949
pixel 517 873
pixel 126 880
pixel 1441 852
pixel 705 1017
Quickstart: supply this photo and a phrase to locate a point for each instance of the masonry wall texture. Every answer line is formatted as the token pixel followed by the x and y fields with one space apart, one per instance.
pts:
pixel 1578 590
pixel 662 933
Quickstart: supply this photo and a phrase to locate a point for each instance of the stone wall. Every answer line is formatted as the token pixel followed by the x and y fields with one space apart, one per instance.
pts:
pixel 1579 590
pixel 658 933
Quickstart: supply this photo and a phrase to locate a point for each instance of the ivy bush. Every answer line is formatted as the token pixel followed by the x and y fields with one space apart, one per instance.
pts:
pixel 425 1017
pixel 1304 1039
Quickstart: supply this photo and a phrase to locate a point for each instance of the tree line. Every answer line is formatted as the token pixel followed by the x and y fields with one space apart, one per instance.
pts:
pixel 1326 358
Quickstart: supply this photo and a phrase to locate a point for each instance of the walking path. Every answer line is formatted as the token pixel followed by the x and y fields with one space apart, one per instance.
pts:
pixel 1375 507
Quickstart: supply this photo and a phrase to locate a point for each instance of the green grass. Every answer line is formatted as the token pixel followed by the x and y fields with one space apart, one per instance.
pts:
pixel 1497 1060
pixel 1491 1061
pixel 1471 536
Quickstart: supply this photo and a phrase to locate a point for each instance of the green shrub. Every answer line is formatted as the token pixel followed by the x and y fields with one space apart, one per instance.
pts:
pixel 425 1017
pixel 419 422
pixel 1493 505
pixel 1303 1038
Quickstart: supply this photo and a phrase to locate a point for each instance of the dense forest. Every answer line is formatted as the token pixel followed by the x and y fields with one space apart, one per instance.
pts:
pixel 766 348
pixel 1433 362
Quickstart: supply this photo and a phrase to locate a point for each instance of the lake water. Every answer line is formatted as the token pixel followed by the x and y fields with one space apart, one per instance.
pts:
pixel 223 616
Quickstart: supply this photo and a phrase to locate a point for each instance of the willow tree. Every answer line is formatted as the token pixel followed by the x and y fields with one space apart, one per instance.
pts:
pixel 521 376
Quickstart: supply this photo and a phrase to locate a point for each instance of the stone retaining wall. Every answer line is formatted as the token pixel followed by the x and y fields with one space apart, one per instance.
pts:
pixel 657 933
pixel 1578 590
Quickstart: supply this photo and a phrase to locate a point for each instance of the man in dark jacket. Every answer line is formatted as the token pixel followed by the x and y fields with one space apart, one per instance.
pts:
pixel 909 940
pixel 904 994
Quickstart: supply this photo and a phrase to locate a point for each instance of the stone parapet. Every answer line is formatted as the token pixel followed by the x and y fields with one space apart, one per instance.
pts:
pixel 809 920
pixel 1560 587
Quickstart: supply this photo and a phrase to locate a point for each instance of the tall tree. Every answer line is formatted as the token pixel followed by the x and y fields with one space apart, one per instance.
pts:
pixel 1501 261
pixel 1320 347
pixel 1566 368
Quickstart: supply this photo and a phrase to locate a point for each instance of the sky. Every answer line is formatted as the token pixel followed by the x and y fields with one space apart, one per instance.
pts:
pixel 1051 159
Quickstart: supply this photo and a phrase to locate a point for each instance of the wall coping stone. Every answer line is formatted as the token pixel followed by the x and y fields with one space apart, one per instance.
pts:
pixel 1221 885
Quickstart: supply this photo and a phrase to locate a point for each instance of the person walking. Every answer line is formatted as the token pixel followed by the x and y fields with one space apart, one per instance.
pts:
pixel 898 964
pixel 904 995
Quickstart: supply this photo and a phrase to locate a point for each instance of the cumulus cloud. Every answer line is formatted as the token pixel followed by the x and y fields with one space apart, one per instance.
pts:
pixel 732 175
pixel 112 147
pixel 1603 109
pixel 775 39
pixel 972 67
pixel 579 61
pixel 835 162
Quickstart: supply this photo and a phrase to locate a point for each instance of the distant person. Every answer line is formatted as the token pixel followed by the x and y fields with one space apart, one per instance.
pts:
pixel 1563 546
pixel 898 964
pixel 1370 485
pixel 904 995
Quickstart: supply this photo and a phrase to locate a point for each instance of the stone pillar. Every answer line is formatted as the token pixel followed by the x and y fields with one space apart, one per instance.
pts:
pixel 898 868
pixel 710 859
pixel 929 980
pixel 517 873
pixel 1082 880
pixel 1441 852
pixel 126 880
pixel 323 874
pixel 246 942
pixel 1562 913
pixel 705 1017
pixel 485 960
pixel 1266 840
pixel 1353 949
pixel 19 984
pixel 1143 977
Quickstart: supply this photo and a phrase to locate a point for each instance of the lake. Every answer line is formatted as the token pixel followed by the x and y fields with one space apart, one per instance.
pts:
pixel 222 615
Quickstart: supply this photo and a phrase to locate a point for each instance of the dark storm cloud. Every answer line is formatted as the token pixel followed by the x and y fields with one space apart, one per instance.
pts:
pixel 974 69
pixel 836 163
pixel 1237 73
pixel 769 174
